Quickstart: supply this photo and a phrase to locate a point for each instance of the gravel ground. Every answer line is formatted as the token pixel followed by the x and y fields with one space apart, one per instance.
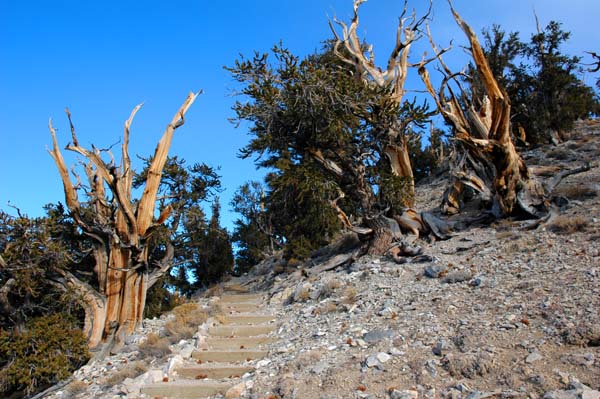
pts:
pixel 495 311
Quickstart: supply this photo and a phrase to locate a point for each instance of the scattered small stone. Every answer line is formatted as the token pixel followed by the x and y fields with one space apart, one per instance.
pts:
pixel 372 361
pixel 434 271
pixel 319 367
pixel 396 352
pixel 476 282
pixel 441 347
pixel 378 335
pixel 533 357
pixel 394 394
pixel 482 395
pixel 263 363
pixel 458 276
pixel 383 357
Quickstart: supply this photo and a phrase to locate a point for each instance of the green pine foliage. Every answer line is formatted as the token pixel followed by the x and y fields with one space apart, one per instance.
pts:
pixel 32 253
pixel 299 209
pixel 253 233
pixel 300 109
pixel 542 82
pixel 213 257
pixel 47 350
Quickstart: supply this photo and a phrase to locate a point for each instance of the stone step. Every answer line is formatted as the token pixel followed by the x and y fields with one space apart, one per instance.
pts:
pixel 237 342
pixel 241 298
pixel 213 372
pixel 247 319
pixel 241 330
pixel 185 389
pixel 235 289
pixel 224 356
pixel 240 307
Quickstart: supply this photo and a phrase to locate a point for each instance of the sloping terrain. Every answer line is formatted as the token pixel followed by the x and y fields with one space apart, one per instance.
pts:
pixel 505 310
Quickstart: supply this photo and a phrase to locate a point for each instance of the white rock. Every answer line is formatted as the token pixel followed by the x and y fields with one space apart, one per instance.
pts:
pixel 132 387
pixel 396 352
pixel 151 376
pixel 187 350
pixel 533 357
pixel 383 357
pixel 263 363
pixel 404 394
pixel 173 363
pixel 372 361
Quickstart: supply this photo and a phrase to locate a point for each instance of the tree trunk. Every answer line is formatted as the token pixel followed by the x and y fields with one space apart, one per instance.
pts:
pixel 119 229
pixel 385 232
pixel 401 167
pixel 490 164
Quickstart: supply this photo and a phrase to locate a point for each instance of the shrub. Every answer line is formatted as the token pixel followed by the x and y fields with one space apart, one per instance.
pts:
pixel 350 295
pixel 190 314
pixel 130 371
pixel 48 350
pixel 187 319
pixel 154 346
pixel 75 388
pixel 566 224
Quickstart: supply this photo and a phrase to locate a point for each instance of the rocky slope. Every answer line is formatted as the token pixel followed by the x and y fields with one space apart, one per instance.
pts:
pixel 496 311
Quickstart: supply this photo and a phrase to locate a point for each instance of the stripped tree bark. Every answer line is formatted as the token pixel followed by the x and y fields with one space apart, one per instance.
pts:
pixel 488 161
pixel 392 77
pixel 119 228
pixel 384 227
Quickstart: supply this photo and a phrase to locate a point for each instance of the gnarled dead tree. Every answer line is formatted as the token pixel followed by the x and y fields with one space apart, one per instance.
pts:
pixel 392 77
pixel 488 160
pixel 119 228
pixel 386 226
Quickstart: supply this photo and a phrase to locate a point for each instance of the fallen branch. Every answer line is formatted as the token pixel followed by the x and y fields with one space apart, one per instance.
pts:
pixel 555 181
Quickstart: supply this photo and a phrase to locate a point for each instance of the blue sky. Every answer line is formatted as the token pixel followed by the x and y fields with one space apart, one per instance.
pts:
pixel 100 59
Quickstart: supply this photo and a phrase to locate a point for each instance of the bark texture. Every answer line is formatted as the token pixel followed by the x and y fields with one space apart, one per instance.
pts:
pixel 119 228
pixel 393 77
pixel 489 162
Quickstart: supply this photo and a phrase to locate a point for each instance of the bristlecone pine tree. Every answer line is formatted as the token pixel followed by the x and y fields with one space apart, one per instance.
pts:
pixel 489 163
pixel 119 228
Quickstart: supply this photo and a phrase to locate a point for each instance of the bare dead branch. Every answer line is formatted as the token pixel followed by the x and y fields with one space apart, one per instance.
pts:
pixel 70 192
pixel 595 64
pixel 397 65
pixel 147 202
pixel 328 164
pixel 73 135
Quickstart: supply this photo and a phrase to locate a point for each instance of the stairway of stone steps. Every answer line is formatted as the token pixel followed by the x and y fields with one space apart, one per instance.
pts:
pixel 234 341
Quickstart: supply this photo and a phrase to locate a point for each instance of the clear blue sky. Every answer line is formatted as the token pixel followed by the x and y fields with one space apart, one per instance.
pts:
pixel 101 58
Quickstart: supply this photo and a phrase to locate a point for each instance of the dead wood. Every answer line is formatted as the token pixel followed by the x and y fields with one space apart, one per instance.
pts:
pixel 334 262
pixel 392 77
pixel 441 229
pixel 120 228
pixel 555 181
pixel 489 162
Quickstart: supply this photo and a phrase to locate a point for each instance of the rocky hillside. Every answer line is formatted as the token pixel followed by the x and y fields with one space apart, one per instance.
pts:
pixel 507 310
